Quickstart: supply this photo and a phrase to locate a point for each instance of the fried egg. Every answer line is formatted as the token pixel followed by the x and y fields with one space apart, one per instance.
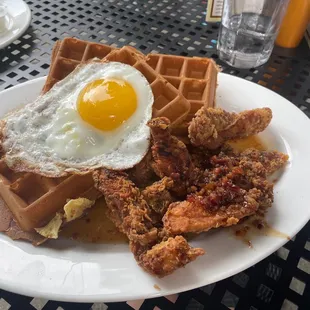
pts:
pixel 95 117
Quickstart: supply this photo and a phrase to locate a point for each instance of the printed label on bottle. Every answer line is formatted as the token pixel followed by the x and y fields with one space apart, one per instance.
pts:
pixel 214 10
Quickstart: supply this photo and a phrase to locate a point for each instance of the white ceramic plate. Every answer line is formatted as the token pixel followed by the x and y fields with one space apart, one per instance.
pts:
pixel 72 271
pixel 20 17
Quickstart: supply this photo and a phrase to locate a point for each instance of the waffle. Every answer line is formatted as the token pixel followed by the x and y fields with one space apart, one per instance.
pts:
pixel 195 78
pixel 69 53
pixel 9 226
pixel 168 101
pixel 34 199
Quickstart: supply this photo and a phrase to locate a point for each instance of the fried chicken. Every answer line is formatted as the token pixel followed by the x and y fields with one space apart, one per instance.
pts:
pixel 126 208
pixel 164 258
pixel 220 186
pixel 221 203
pixel 211 127
pixel 271 160
pixel 143 174
pixel 265 199
pixel 200 157
pixel 256 166
pixel 171 157
pixel 131 214
pixel 158 196
pixel 261 162
pixel 235 188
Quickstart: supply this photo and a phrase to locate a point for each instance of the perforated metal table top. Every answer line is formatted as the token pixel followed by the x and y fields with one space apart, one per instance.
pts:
pixel 282 280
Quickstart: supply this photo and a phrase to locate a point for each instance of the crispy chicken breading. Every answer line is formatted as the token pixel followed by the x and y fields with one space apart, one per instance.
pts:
pixel 236 187
pixel 164 258
pixel 126 208
pixel 158 196
pixel 131 214
pixel 261 162
pixel 171 157
pixel 256 165
pixel 211 127
pixel 143 174
pixel 221 203
pixel 271 160
pixel 200 157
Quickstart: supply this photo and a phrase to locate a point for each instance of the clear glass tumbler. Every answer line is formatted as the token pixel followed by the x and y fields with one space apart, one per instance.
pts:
pixel 248 31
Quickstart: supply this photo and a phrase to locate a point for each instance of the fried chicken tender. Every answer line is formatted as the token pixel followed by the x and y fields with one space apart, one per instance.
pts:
pixel 143 174
pixel 265 199
pixel 164 258
pixel 131 214
pixel 235 188
pixel 220 204
pixel 211 127
pixel 158 196
pixel 271 160
pixel 263 163
pixel 171 157
pixel 257 166
pixel 126 208
pixel 200 157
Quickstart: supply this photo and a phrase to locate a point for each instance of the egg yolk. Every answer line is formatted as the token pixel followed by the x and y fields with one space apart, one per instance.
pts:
pixel 106 104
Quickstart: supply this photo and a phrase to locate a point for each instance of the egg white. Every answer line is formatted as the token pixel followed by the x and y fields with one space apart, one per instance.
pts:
pixel 49 137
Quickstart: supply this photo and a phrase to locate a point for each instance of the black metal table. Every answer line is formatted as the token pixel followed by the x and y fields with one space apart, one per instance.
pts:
pixel 282 280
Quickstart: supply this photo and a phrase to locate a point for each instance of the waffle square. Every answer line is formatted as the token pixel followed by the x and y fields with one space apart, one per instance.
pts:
pixel 168 101
pixel 195 78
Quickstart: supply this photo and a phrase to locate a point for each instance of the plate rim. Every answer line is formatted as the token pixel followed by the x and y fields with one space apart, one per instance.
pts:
pixel 110 298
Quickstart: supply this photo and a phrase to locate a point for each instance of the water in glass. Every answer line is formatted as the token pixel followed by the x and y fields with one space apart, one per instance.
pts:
pixel 246 39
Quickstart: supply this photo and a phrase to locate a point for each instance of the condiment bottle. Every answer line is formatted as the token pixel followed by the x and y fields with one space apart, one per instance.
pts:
pixel 294 23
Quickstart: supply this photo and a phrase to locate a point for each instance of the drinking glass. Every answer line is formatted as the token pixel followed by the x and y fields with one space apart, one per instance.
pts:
pixel 248 31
